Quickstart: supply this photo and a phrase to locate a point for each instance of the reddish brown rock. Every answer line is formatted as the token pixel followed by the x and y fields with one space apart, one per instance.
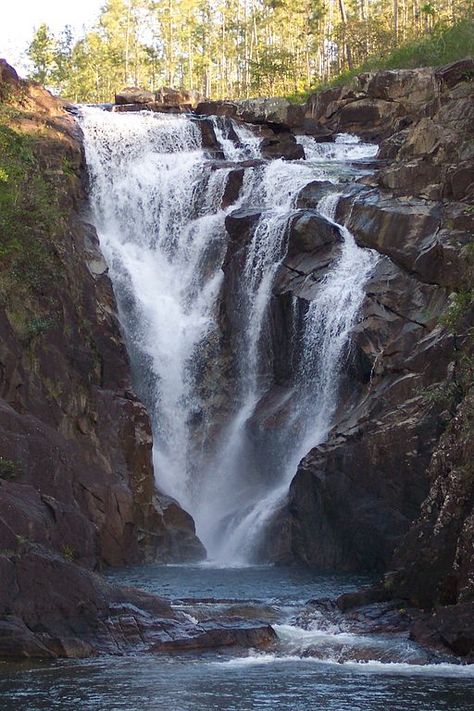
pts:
pixel 134 95
pixel 76 474
pixel 52 608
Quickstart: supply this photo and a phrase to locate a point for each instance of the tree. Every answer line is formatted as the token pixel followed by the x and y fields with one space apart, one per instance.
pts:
pixel 230 48
pixel 42 54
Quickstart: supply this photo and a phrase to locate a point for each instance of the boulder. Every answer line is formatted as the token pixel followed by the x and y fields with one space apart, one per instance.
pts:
pixel 240 225
pixel 368 117
pixel 450 627
pixel 273 110
pixel 282 145
pixel 176 97
pixel 311 194
pixel 456 72
pixel 232 187
pixel 153 106
pixel 412 87
pixel 134 95
pixel 217 108
pixel 8 74
pixel 308 231
pixel 208 137
pixel 421 236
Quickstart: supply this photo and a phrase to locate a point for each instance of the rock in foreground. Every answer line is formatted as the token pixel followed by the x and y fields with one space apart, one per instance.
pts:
pixel 51 608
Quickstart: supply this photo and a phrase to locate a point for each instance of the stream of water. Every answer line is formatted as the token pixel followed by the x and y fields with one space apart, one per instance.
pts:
pixel 322 668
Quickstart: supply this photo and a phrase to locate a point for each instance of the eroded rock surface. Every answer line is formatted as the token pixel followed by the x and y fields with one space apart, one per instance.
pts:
pixel 52 608
pixel 354 498
pixel 76 475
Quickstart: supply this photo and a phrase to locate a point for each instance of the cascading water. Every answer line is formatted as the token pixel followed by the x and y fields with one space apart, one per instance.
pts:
pixel 157 202
pixel 236 140
pixel 325 338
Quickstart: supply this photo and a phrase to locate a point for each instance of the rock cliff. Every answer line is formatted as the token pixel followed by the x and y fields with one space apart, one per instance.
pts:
pixel 391 489
pixel 354 498
pixel 396 472
pixel 76 478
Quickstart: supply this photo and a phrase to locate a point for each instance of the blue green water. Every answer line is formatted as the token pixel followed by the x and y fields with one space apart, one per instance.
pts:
pixel 287 678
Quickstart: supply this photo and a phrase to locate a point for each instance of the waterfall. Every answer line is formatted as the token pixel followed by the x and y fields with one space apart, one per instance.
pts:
pixel 342 149
pixel 236 140
pixel 327 326
pixel 157 197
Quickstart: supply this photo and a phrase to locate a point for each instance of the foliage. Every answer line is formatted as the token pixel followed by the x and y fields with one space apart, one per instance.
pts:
pixel 238 48
pixel 458 307
pixel 69 553
pixel 442 45
pixel 8 469
pixel 41 52
pixel 29 214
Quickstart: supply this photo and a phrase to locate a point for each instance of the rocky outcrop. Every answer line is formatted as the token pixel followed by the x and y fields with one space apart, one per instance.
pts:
pixel 354 498
pixel 177 97
pixel 165 100
pixel 76 475
pixel 434 563
pixel 273 111
pixel 281 145
pixel 377 105
pixel 134 95
pixel 54 608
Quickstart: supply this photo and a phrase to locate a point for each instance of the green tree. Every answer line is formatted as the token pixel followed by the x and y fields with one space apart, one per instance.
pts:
pixel 42 54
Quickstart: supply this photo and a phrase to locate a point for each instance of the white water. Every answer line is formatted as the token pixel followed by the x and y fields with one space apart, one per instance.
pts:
pixel 344 148
pixel 328 322
pixel 245 145
pixel 157 207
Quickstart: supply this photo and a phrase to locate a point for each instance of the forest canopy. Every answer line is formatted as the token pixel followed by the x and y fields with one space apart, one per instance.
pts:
pixel 241 48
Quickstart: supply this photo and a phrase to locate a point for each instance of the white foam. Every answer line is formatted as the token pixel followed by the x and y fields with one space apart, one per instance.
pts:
pixel 375 667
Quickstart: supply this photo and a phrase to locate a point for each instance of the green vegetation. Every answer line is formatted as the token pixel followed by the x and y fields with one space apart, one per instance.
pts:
pixel 8 469
pixel 69 553
pixel 442 46
pixel 458 307
pixel 239 48
pixel 448 394
pixel 29 215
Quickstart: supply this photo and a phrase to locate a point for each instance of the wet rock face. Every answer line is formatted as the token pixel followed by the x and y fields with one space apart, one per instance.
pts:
pixel 282 145
pixel 75 443
pixel 354 498
pixel 52 608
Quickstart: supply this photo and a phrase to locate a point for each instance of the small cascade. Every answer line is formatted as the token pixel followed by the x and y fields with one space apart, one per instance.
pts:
pixel 237 141
pixel 157 203
pixel 344 148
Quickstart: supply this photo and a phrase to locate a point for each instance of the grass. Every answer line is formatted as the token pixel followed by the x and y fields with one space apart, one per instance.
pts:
pixel 442 46
pixel 28 211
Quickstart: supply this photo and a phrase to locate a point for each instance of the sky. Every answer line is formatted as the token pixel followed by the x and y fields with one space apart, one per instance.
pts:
pixel 21 17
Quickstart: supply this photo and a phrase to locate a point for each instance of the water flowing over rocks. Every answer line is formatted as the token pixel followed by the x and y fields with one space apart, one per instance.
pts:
pixel 57 609
pixel 357 497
